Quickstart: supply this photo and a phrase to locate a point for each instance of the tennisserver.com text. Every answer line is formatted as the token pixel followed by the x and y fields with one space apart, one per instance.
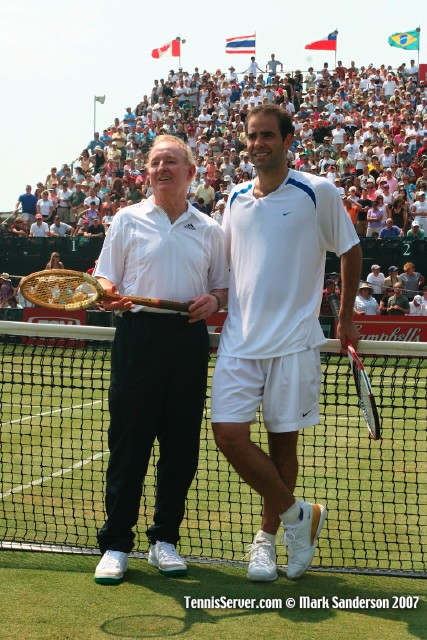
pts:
pixel 302 602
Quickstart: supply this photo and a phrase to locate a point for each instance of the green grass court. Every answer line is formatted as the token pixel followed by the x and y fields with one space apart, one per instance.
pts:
pixel 53 450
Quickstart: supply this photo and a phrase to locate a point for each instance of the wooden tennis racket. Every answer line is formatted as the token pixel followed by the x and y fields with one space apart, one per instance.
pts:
pixel 66 289
pixel 366 397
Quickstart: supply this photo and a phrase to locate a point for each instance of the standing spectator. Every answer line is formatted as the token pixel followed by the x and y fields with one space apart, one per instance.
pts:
pixel 64 204
pixel 206 192
pixel 376 280
pixel 152 394
pixel 330 288
pixel 392 278
pixel 7 291
pixel 419 210
pixel 39 229
pixel 374 218
pixel 46 207
pixel 28 203
pixel 411 280
pixel 272 64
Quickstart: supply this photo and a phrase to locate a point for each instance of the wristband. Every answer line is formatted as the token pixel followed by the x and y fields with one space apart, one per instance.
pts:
pixel 218 299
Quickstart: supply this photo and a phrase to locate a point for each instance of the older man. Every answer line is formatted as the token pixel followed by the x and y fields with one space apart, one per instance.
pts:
pixel 160 247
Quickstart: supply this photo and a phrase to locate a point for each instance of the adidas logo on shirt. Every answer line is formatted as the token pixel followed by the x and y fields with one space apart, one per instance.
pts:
pixel 190 226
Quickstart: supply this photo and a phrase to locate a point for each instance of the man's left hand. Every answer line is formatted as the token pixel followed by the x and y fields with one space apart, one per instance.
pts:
pixel 202 307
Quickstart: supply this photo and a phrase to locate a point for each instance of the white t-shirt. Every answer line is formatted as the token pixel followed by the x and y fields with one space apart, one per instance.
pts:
pixel 368 306
pixel 145 255
pixel 278 247
pixel 39 231
pixel 377 282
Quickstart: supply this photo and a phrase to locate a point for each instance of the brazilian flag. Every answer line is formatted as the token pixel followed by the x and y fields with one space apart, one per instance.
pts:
pixel 405 40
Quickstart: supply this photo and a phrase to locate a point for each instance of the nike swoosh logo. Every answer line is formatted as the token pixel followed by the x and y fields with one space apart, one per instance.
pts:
pixel 307 412
pixel 286 214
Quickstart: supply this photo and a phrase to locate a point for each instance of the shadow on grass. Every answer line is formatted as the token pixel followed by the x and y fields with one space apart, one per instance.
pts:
pixel 207 582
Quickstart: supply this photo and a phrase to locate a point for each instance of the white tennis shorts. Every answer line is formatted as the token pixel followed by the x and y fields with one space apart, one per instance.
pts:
pixel 287 387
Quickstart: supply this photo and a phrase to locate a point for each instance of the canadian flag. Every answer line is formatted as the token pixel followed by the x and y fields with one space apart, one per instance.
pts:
pixel 170 49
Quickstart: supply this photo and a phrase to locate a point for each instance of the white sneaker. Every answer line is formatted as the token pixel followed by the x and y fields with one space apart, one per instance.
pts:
pixel 301 538
pixel 164 556
pixel 111 567
pixel 262 560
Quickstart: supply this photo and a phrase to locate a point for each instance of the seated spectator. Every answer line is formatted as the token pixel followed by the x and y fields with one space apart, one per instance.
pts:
pixel 12 303
pixel 376 280
pixel 59 228
pixel 411 280
pixel 39 228
pixel 388 292
pixel 95 230
pixel 19 228
pixel 417 306
pixel 391 230
pixel 365 304
pixel 200 205
pixel 415 232
pixel 398 304
pixel 398 211
pixel 54 261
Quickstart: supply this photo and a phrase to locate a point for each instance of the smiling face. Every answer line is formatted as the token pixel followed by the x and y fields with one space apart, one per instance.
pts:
pixel 170 171
pixel 266 146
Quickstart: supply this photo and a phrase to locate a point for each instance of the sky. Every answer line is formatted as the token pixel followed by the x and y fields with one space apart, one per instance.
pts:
pixel 56 57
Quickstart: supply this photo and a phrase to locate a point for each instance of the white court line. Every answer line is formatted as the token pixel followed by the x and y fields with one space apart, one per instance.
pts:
pixel 50 413
pixel 57 474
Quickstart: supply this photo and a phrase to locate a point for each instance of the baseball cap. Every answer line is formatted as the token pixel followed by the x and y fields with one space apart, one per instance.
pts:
pixel 375 266
pixel 329 282
pixel 392 269
pixel 415 223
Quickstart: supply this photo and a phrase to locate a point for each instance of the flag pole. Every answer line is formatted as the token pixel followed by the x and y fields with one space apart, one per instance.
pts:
pixel 336 32
pixel 418 57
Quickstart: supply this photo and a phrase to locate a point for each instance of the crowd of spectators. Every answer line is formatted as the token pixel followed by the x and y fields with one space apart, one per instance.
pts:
pixel 364 129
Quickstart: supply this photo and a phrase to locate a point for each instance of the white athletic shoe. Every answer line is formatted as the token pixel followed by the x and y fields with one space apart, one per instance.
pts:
pixel 301 538
pixel 262 560
pixel 164 556
pixel 111 567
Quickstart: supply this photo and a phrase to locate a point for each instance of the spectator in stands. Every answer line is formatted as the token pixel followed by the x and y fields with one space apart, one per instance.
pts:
pixel 388 292
pixel 39 228
pixel 59 228
pixel 417 307
pixel 365 303
pixel 392 278
pixel 28 204
pixel 398 304
pixel 95 230
pixel 64 205
pixel 46 207
pixel 375 218
pixel 411 280
pixel 330 288
pixel 7 290
pixel 85 162
pixel 419 210
pixel 52 178
pixel 19 228
pixel 415 232
pixel 376 280
pixel 398 211
pixel 391 230
pixel 54 261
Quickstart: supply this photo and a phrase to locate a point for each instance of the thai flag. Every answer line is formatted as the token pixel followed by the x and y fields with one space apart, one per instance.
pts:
pixel 241 44
pixel 169 49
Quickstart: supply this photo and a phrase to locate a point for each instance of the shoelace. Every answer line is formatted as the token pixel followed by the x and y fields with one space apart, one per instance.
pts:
pixel 263 550
pixel 167 552
pixel 110 562
pixel 293 540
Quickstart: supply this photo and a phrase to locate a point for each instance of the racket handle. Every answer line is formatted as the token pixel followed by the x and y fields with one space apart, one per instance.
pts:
pixel 156 303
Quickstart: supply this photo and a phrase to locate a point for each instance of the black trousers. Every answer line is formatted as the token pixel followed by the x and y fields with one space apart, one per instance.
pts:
pixel 158 387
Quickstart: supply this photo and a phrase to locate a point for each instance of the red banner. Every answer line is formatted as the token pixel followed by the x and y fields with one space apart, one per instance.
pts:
pixel 397 329
pixel 51 316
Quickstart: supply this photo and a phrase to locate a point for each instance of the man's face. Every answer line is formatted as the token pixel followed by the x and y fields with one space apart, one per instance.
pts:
pixel 169 171
pixel 266 147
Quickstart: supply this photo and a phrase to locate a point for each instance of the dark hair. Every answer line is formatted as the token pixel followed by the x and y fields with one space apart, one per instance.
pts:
pixel 284 118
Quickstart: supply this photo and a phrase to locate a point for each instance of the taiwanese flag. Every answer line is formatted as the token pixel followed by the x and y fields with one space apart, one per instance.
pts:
pixel 169 50
pixel 327 44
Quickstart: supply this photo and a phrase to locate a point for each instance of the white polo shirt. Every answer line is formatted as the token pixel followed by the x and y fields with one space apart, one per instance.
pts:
pixel 278 248
pixel 145 255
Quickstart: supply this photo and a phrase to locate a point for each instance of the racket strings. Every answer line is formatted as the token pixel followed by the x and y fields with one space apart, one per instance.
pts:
pixel 66 291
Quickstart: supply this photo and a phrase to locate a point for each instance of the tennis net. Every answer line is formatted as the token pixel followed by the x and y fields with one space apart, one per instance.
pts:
pixel 53 448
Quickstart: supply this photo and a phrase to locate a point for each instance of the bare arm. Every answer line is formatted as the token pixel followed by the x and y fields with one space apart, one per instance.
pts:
pixel 351 263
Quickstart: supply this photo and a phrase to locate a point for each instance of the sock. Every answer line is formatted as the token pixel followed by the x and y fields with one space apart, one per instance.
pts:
pixel 266 536
pixel 292 515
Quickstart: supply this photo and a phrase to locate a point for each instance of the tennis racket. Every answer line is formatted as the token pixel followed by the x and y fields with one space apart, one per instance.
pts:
pixel 366 397
pixel 66 289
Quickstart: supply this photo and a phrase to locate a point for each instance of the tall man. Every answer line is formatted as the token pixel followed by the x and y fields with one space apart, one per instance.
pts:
pixel 160 247
pixel 277 230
